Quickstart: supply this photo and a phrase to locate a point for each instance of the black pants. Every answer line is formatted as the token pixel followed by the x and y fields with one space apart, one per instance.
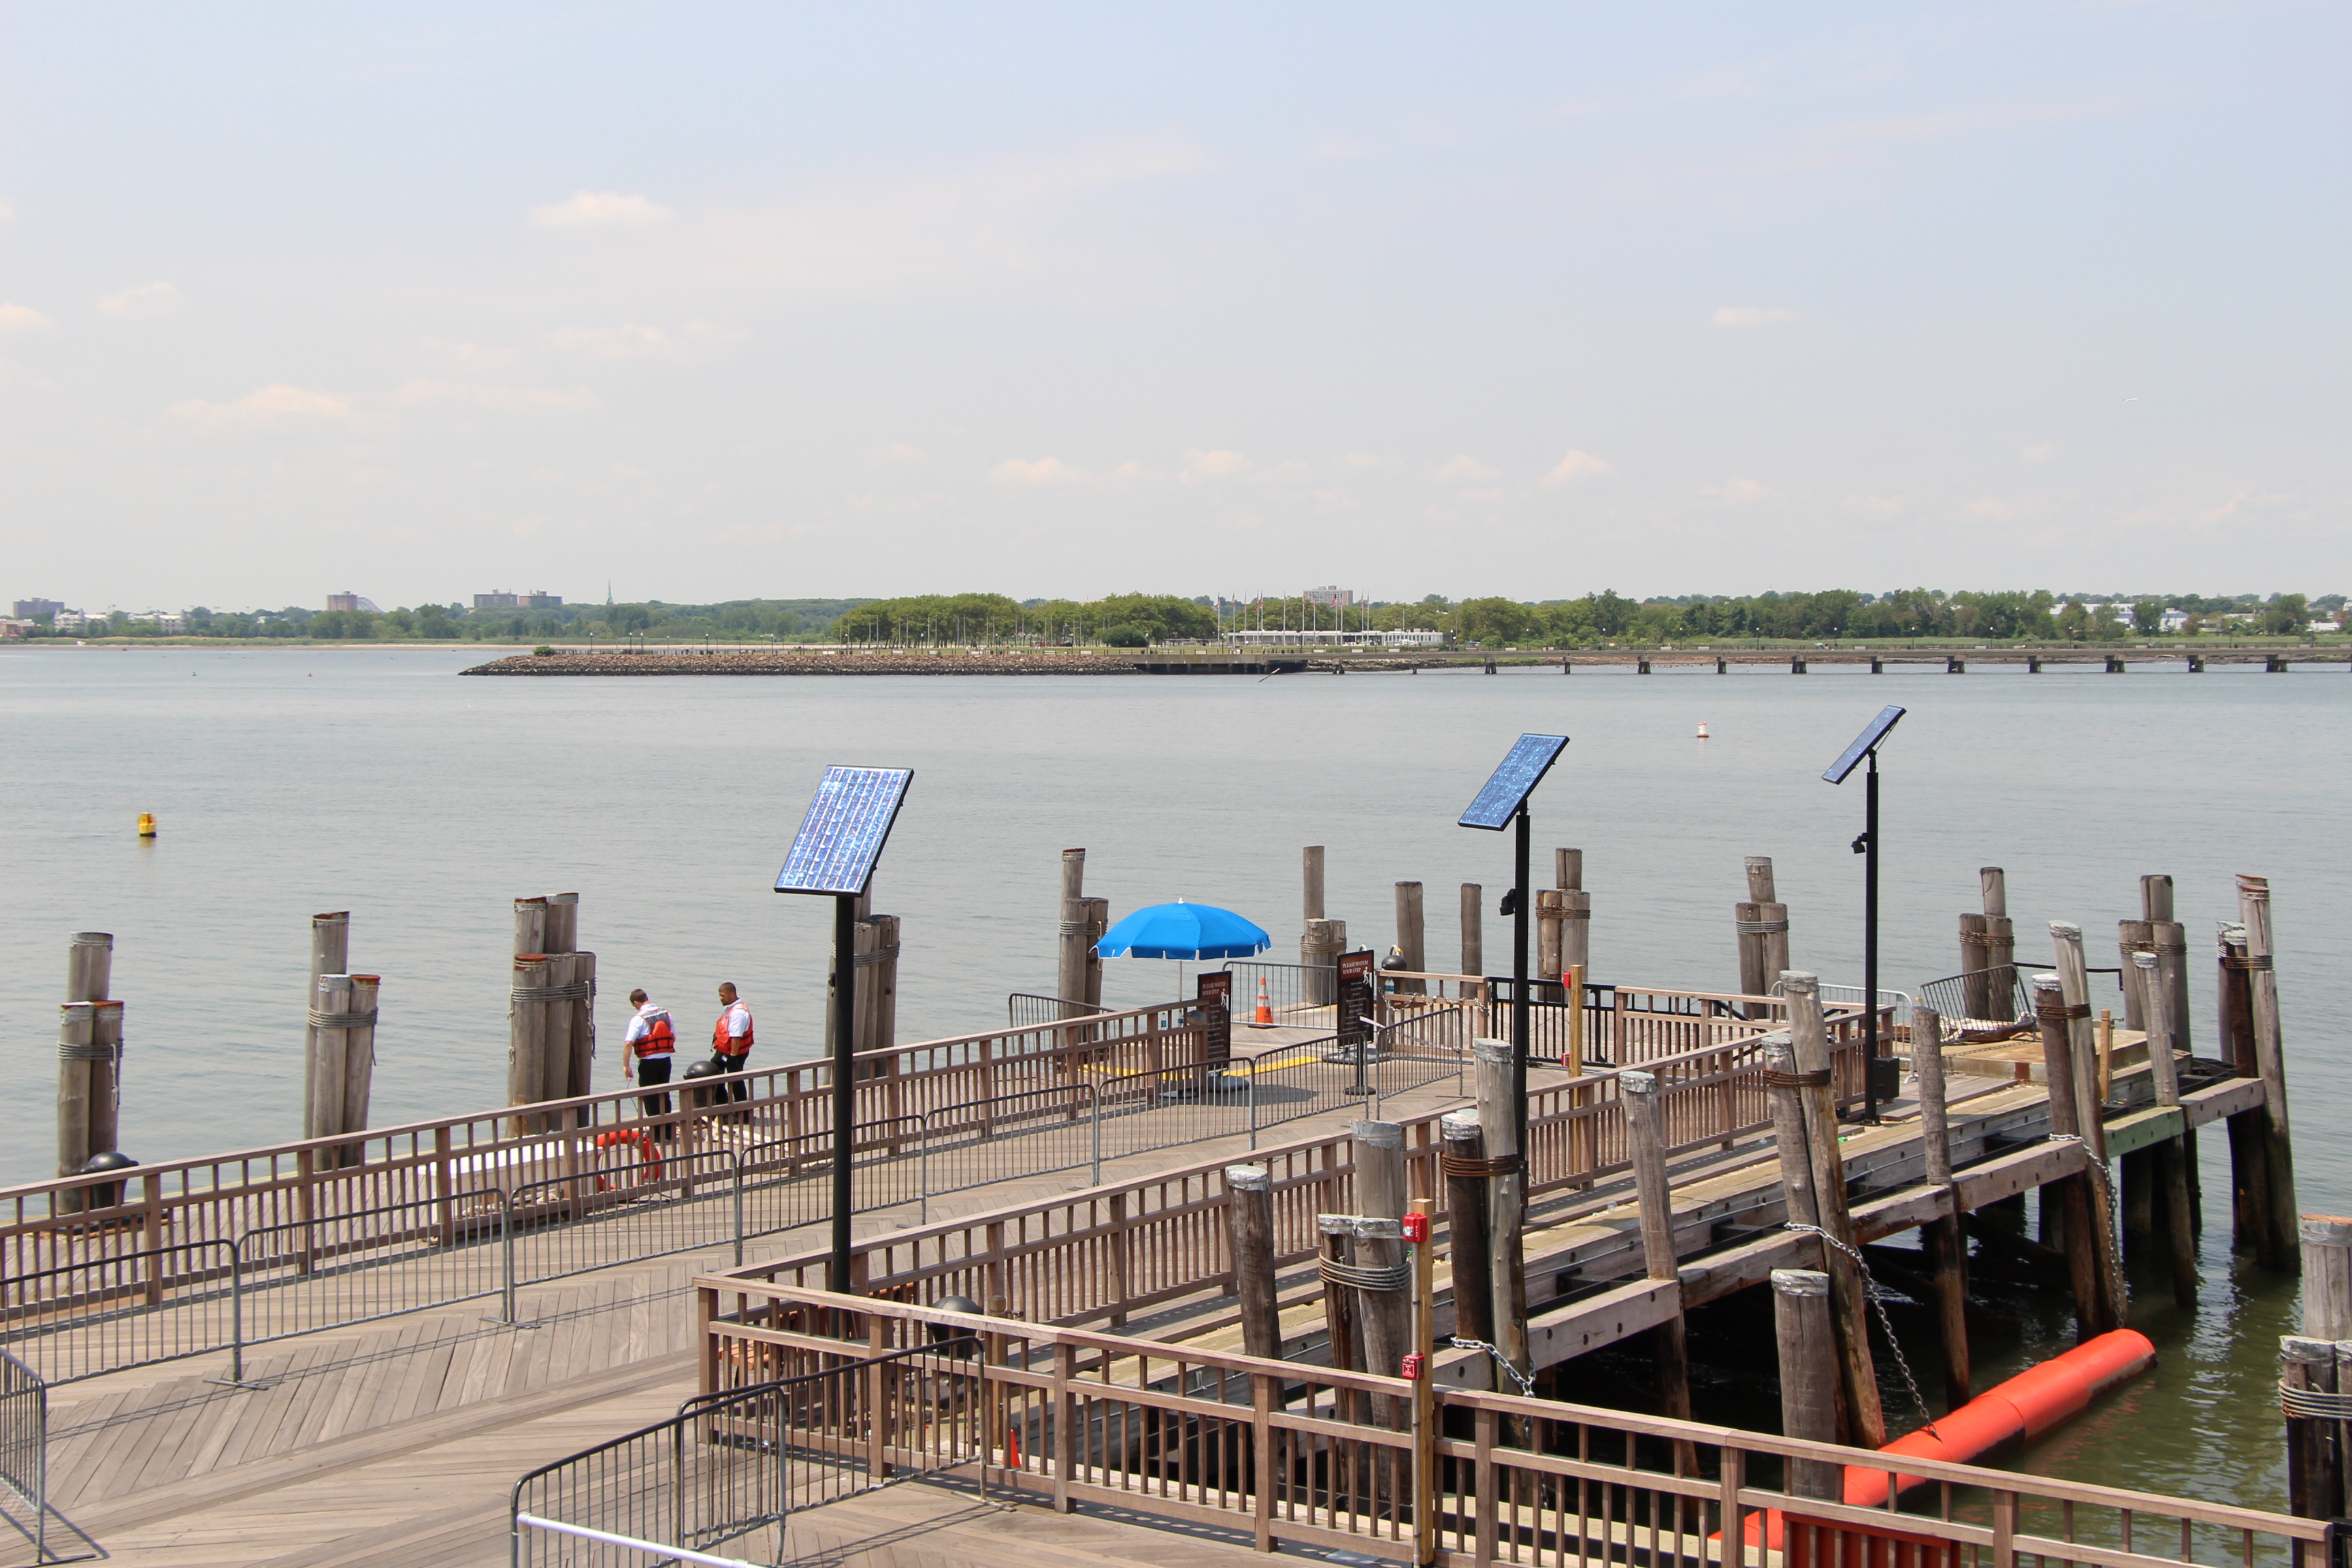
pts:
pixel 652 1070
pixel 739 1089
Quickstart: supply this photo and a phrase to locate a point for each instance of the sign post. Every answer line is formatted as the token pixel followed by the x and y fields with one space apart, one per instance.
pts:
pixel 1214 991
pixel 1359 985
pixel 834 853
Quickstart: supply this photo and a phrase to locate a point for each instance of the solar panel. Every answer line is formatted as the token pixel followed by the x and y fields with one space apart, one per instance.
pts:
pixel 1871 733
pixel 842 835
pixel 1531 758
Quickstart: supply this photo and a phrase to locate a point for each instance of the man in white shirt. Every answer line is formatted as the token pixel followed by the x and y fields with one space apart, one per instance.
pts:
pixel 645 1051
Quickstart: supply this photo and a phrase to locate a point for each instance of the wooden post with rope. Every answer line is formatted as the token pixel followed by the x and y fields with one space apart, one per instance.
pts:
pixel 1773 917
pixel 1462 1162
pixel 1249 1209
pixel 1507 1207
pixel 1809 1033
pixel 1381 1198
pixel 1654 1199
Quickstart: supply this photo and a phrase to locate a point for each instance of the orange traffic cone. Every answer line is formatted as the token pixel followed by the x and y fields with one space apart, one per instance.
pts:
pixel 1265 1008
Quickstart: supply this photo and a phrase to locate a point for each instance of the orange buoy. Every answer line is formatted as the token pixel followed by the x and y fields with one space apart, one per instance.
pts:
pixel 146 824
pixel 1265 1008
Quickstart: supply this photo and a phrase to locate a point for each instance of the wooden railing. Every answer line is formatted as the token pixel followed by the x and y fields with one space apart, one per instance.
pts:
pixel 89 1246
pixel 1107 1254
pixel 1318 1458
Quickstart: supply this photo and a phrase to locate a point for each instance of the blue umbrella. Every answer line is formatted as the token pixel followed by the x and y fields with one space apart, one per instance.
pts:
pixel 1183 931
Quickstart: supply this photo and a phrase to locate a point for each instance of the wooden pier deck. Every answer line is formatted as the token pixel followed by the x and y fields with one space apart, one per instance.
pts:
pixel 396 1442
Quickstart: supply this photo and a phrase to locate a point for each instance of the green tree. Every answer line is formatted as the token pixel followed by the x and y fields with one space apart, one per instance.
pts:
pixel 2285 612
pixel 2147 616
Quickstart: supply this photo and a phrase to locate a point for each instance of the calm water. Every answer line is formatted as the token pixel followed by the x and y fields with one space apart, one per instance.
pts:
pixel 291 780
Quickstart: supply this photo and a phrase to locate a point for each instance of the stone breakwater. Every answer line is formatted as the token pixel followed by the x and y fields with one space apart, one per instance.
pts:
pixel 776 661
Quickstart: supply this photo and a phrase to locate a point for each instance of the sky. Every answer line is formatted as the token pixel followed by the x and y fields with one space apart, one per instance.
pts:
pixel 714 301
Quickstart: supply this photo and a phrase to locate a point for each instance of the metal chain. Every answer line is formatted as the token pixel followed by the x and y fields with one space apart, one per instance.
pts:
pixel 2098 1170
pixel 1877 1305
pixel 1526 1382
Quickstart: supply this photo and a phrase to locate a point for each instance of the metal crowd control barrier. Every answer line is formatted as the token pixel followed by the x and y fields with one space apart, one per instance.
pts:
pixel 729 1465
pixel 24 1453
pixel 1299 994
pixel 133 1308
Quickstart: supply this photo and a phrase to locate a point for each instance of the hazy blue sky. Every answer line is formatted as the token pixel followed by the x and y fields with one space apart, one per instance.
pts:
pixel 724 300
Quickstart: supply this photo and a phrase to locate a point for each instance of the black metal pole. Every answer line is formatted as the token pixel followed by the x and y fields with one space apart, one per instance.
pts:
pixel 1519 972
pixel 1870 933
pixel 845 1087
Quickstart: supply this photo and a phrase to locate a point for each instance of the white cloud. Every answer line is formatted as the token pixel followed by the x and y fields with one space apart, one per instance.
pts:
pixel 1750 315
pixel 1360 460
pixel 1736 492
pixel 276 405
pixel 1465 471
pixel 2243 501
pixel 1991 509
pixel 1331 148
pixel 634 341
pixel 2040 453
pixel 1129 470
pixel 899 452
pixel 475 357
pixel 143 303
pixel 14 318
pixel 600 209
pixel 1877 506
pixel 502 399
pixel 1577 465
pixel 8 212
pixel 1043 471
pixel 1218 465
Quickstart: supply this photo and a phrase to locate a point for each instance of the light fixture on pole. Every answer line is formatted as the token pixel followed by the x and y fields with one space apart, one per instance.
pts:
pixel 1501 804
pixel 834 854
pixel 1866 747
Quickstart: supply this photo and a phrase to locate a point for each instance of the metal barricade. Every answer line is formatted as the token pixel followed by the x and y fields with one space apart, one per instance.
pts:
pixel 1978 999
pixel 1297 994
pixel 1141 1112
pixel 103 1314
pixel 1026 1010
pixel 1030 1133
pixel 735 1464
pixel 652 1204
pixel 331 1271
pixel 24 1453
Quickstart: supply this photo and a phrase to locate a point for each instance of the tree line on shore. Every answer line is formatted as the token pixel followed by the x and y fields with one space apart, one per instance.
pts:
pixel 1137 620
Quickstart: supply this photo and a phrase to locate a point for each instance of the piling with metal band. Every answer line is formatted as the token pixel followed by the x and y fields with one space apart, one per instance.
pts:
pixel 1070 972
pixel 89 1039
pixel 1463 1162
pixel 1575 910
pixel 2089 1236
pixel 2313 1411
pixel 1655 1196
pixel 1507 1207
pixel 330 942
pixel 1772 919
pixel 1319 950
pixel 1381 1195
pixel 2074 983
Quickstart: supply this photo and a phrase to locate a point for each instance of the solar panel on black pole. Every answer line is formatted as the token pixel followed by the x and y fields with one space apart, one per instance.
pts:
pixel 834 854
pixel 1865 746
pixel 1502 803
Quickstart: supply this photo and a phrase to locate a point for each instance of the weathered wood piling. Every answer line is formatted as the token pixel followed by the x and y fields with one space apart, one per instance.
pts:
pixel 1942 1239
pixel 1250 1211
pixel 90 1057
pixel 1474 929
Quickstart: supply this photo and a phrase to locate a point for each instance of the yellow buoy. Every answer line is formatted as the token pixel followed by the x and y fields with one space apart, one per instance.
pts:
pixel 146 824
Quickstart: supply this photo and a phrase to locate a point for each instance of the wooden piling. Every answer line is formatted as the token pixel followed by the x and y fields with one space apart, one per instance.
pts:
pixel 1380 1194
pixel 1808 1354
pixel 1070 970
pixel 1506 1197
pixel 1462 1161
pixel 1568 869
pixel 1976 968
pixel 1311 863
pixel 1319 951
pixel 1249 1209
pixel 2001 935
pixel 1575 910
pixel 1345 1334
pixel 2313 1463
pixel 84 1080
pixel 2270 1061
pixel 1946 1247
pixel 1474 929
pixel 2171 944
pixel 1410 929
pixel 526 1039
pixel 2087 1230
pixel 2171 1158
pixel 2075 985
pixel 2133 937
pixel 330 953
pixel 330 1000
pixel 358 1063
pixel 1772 916
pixel 1550 915
pixel 1809 1033
pixel 1747 927
pixel 1653 1195
pixel 883 985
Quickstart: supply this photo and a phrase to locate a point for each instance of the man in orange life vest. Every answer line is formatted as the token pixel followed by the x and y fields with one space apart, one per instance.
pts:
pixel 731 1040
pixel 647 1048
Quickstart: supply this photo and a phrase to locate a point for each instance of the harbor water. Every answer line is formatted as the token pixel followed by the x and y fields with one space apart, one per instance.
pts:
pixel 288 782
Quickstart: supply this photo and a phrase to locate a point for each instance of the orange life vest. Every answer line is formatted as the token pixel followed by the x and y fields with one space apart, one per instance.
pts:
pixel 726 1045
pixel 660 1038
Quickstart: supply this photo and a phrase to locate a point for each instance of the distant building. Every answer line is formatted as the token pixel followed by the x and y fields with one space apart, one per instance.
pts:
pixel 13 628
pixel 344 602
pixel 540 599
pixel 2175 621
pixel 1330 597
pixel 1328 638
pixel 166 621
pixel 494 601
pixel 75 621
pixel 33 609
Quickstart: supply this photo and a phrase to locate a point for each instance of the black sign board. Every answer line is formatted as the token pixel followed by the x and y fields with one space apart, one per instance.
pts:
pixel 1215 994
pixel 1359 985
